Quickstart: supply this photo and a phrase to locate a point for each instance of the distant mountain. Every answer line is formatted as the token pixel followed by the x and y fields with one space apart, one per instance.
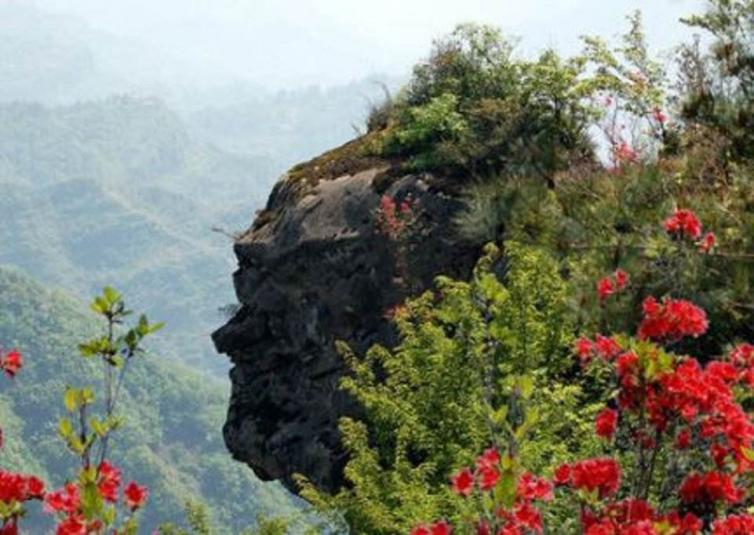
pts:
pixel 291 126
pixel 117 192
pixel 59 59
pixel 170 439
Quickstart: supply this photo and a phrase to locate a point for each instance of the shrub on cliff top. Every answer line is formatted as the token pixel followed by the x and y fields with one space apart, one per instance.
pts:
pixel 472 109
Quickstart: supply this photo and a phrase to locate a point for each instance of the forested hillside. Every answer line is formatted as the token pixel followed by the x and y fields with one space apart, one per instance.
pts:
pixel 170 438
pixel 116 190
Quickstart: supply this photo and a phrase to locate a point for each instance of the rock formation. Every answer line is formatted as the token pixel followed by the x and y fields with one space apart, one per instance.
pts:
pixel 314 269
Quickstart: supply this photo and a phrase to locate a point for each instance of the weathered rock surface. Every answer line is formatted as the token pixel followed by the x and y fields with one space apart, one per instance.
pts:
pixel 312 270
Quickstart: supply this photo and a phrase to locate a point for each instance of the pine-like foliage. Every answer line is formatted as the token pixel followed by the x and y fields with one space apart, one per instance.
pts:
pixel 467 349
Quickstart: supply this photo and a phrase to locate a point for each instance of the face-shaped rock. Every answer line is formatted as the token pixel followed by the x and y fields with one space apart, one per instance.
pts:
pixel 320 271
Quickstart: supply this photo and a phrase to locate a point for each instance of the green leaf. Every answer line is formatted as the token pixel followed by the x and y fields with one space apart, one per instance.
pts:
pixel 526 385
pixel 65 428
pixel 87 396
pixel 154 327
pixel 100 428
pixel 71 399
pixel 111 295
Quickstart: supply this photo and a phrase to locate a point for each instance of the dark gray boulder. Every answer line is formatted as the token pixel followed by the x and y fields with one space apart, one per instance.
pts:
pixel 314 269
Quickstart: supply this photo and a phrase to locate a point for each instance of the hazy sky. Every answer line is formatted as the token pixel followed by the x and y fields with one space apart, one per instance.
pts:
pixel 329 41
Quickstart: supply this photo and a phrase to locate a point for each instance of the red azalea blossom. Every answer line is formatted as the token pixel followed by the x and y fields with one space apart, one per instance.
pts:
pixel 584 348
pixel 393 218
pixel 623 153
pixel 708 242
pixel 531 487
pixel 605 288
pixel 613 284
pixel 742 357
pixel 73 525
pixel 636 517
pixel 710 488
pixel 672 319
pixel 65 500
pixel 684 223
pixel 683 439
pixel 606 422
pixel 487 476
pixel 601 474
pixel 11 362
pixel 19 487
pixel 108 482
pixel 463 482
pixel 621 279
pixel 741 524
pixel 606 347
pixel 438 528
pixel 659 116
pixel 562 475
pixel 490 457
pixel 135 496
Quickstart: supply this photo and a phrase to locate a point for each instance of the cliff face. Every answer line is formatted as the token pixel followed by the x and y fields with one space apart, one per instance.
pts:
pixel 312 270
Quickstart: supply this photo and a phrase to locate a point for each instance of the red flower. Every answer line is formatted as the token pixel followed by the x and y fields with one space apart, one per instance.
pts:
pixel 135 496
pixel 490 457
pixel 623 153
pixel 35 488
pixel 626 364
pixel 683 439
pixel 531 487
pixel 487 476
pixel 606 423
pixel 740 524
pixel 11 363
pixel 441 528
pixel 615 283
pixel 607 347
pixel 659 116
pixel 65 500
pixel 527 516
pixel 108 482
pixel 438 528
pixel 710 488
pixel 72 525
pixel 621 279
pixel 602 474
pixel 605 288
pixel 463 482
pixel 708 242
pixel 562 475
pixel 684 223
pixel 584 348
pixel 672 319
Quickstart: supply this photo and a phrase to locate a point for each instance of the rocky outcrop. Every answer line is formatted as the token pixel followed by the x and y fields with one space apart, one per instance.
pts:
pixel 312 270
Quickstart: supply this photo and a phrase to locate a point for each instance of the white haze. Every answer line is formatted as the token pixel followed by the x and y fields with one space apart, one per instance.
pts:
pixel 288 43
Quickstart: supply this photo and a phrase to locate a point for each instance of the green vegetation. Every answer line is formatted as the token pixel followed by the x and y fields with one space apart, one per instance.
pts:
pixel 466 352
pixel 509 135
pixel 118 191
pixel 473 110
pixel 172 416
pixel 469 350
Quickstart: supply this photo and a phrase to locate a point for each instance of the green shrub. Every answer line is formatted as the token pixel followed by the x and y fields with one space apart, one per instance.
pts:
pixel 466 352
pixel 472 110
